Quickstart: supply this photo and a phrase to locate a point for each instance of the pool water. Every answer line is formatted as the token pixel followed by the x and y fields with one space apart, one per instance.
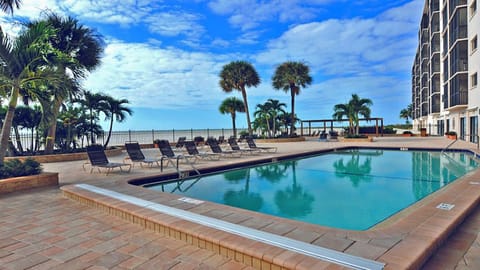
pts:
pixel 348 189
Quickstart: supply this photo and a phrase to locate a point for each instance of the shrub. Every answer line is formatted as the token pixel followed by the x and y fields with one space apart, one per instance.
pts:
pixel 407 132
pixel 451 133
pixel 352 136
pixel 16 168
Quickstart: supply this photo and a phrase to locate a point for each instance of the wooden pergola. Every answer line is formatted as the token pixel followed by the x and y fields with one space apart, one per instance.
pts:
pixel 330 122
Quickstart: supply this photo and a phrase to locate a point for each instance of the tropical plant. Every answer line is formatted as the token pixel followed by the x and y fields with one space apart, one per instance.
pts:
pixel 83 47
pixel 16 168
pixel 263 115
pixel 276 107
pixel 286 120
pixel 290 77
pixel 352 110
pixel 236 76
pixel 9 5
pixel 267 116
pixel 406 113
pixel 114 109
pixel 94 103
pixel 232 105
pixel 25 62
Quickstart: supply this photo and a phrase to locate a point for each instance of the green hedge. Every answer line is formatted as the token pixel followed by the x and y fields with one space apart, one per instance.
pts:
pixel 16 168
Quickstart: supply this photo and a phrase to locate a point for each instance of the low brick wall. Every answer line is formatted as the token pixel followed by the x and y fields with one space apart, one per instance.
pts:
pixel 27 182
pixel 66 157
pixel 280 140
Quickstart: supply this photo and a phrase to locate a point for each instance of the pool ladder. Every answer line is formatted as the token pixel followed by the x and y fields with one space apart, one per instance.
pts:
pixel 448 146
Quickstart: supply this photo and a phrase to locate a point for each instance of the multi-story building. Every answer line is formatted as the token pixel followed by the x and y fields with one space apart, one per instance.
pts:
pixel 445 91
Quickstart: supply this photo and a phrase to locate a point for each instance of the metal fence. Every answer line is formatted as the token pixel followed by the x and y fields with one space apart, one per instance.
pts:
pixel 141 136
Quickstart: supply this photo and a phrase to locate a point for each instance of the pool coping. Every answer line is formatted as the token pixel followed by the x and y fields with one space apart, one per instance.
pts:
pixel 406 243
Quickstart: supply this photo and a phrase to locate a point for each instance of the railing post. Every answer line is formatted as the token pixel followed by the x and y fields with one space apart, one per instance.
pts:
pixel 191 134
pixel 153 135
pixel 223 132
pixel 173 134
pixel 129 135
pixel 208 132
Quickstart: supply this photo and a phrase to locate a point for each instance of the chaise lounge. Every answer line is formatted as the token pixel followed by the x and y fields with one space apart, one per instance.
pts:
pixel 98 159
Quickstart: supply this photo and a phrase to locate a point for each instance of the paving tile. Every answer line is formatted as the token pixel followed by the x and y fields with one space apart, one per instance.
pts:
pixel 25 262
pixel 110 260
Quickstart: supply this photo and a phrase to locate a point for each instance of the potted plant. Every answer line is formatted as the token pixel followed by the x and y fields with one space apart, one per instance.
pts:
pixel 156 142
pixel 452 135
pixel 407 133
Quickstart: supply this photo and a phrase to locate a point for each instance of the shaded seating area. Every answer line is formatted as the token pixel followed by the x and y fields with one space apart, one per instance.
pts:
pixel 251 143
pixel 98 159
pixel 193 151
pixel 170 156
pixel 136 155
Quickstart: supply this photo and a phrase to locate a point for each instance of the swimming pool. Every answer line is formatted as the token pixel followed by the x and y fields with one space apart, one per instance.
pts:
pixel 349 189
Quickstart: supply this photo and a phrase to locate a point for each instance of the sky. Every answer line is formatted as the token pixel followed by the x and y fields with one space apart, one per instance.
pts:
pixel 165 56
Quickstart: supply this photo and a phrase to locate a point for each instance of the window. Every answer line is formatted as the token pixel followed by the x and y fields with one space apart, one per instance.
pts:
pixel 473 8
pixel 474 44
pixel 474 80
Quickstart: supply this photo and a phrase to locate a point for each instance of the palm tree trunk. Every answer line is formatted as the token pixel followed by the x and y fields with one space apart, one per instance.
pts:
pixel 249 124
pixel 7 123
pixel 292 128
pixel 109 133
pixel 50 140
pixel 234 125
pixel 17 139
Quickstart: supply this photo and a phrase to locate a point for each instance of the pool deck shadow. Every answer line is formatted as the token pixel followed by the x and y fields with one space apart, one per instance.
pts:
pixel 406 241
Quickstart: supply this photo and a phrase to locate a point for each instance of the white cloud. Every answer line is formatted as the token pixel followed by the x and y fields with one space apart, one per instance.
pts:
pixel 248 14
pixel 349 46
pixel 153 77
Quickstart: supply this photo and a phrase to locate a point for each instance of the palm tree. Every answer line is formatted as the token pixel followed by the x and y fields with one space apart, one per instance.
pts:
pixel 290 76
pixel 344 110
pixel 83 47
pixel 352 110
pixel 276 107
pixel 23 64
pixel 94 103
pixel 9 5
pixel 263 114
pixel 232 105
pixel 115 109
pixel 236 76
pixel 406 113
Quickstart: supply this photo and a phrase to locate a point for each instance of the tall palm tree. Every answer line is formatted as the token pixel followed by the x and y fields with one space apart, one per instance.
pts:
pixel 291 76
pixel 84 48
pixel 9 5
pixel 24 63
pixel 236 76
pixel 232 105
pixel 115 109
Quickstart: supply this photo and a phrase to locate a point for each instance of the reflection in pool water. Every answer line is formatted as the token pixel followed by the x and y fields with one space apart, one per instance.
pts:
pixel 351 189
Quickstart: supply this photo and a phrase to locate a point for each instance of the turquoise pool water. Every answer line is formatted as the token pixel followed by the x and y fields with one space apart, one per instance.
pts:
pixel 350 189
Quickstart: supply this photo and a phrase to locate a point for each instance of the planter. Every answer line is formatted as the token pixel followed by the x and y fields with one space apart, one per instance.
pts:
pixel 280 140
pixel 27 182
pixel 368 139
pixel 66 157
pixel 451 137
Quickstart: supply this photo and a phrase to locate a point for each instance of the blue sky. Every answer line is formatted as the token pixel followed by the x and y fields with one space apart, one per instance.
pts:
pixel 165 56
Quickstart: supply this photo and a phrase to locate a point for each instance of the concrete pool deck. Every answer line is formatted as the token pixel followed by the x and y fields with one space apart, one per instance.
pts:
pixel 404 242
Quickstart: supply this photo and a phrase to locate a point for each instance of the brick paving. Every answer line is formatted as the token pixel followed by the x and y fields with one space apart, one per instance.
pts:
pixel 39 229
